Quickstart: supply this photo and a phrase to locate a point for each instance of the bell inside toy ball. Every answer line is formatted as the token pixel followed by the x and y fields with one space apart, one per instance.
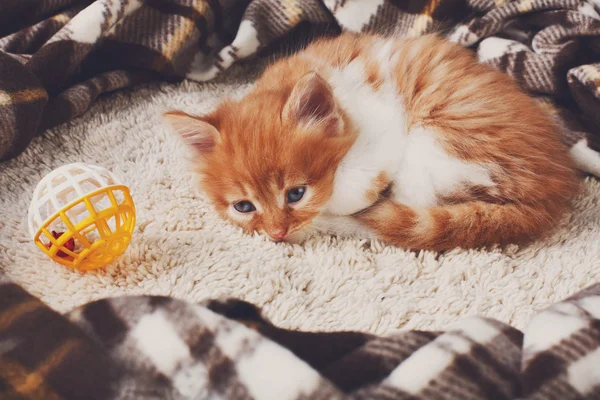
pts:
pixel 81 216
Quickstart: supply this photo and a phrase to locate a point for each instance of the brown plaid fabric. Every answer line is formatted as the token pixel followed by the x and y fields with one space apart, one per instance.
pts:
pixel 58 56
pixel 161 348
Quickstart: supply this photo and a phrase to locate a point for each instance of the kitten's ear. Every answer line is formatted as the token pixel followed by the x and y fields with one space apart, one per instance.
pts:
pixel 198 133
pixel 311 102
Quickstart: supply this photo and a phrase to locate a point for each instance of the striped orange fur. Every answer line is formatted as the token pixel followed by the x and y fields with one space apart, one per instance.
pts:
pixel 465 158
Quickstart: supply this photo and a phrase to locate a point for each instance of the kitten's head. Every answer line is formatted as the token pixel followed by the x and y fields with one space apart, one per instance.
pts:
pixel 268 161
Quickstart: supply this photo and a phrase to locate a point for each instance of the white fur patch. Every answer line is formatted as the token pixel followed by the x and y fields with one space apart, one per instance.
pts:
pixel 427 170
pixel 380 118
pixel 416 161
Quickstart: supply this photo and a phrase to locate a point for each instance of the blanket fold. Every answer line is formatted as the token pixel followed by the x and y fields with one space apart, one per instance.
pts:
pixel 148 347
pixel 68 52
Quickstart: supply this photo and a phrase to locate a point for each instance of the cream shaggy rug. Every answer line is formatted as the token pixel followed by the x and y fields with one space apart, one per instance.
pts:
pixel 182 249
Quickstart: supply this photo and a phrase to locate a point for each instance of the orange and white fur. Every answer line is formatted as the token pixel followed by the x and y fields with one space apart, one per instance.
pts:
pixel 407 140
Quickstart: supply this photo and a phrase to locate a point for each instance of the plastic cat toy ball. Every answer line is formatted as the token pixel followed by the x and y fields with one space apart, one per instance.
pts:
pixel 81 216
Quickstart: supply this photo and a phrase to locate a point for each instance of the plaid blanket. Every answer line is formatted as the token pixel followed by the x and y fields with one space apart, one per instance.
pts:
pixel 58 56
pixel 162 348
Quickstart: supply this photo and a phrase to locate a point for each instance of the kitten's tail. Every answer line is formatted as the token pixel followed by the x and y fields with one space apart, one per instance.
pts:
pixel 467 225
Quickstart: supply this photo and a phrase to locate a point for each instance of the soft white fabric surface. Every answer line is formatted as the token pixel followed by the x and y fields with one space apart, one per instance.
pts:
pixel 181 248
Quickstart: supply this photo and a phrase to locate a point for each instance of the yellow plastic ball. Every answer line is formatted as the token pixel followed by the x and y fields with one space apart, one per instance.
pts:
pixel 81 216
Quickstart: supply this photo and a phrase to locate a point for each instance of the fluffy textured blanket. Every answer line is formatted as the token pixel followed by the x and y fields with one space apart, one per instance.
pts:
pixel 57 56
pixel 160 348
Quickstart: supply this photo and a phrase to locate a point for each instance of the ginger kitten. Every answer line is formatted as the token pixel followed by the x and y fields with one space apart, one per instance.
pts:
pixel 408 140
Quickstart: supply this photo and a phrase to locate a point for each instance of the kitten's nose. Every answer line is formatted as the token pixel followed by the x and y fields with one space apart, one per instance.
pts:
pixel 277 234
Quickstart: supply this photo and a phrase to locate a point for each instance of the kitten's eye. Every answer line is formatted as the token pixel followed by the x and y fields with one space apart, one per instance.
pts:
pixel 244 207
pixel 296 194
